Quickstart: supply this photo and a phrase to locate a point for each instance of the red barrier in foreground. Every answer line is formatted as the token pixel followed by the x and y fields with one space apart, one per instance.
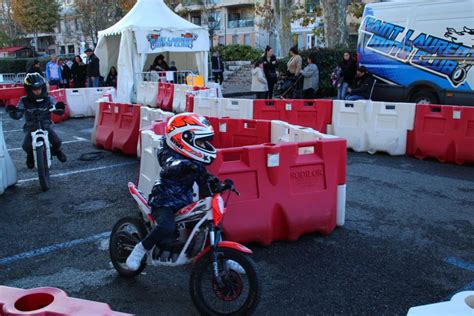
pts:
pixel 60 96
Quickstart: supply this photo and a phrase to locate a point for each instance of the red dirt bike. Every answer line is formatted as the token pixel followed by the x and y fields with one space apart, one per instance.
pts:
pixel 224 279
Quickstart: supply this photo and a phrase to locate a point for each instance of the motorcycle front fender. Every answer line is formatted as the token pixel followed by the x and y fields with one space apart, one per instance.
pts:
pixel 224 244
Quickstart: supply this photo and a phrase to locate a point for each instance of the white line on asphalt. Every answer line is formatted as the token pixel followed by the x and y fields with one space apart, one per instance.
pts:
pixel 13 130
pixel 48 249
pixel 76 140
pixel 65 174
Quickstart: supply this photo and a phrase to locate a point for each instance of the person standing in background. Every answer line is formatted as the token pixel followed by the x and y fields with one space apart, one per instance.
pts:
pixel 35 67
pixel 65 74
pixel 111 80
pixel 93 68
pixel 259 82
pixel 311 78
pixel 269 68
pixel 348 73
pixel 217 67
pixel 78 72
pixel 53 72
pixel 295 63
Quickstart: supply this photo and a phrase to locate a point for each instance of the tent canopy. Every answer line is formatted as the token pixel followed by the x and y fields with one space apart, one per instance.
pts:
pixel 148 29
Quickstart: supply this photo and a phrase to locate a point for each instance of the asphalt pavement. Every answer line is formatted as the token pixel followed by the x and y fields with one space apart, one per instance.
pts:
pixel 407 241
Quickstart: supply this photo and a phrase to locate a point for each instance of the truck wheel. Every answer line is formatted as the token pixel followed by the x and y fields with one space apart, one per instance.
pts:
pixel 424 97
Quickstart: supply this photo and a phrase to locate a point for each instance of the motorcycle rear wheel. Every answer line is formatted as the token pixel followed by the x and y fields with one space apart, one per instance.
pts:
pixel 204 288
pixel 126 233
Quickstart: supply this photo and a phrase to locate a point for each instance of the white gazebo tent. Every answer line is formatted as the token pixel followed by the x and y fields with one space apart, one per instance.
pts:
pixel 150 28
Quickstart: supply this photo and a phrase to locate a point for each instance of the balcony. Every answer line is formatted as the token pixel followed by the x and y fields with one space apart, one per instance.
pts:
pixel 240 23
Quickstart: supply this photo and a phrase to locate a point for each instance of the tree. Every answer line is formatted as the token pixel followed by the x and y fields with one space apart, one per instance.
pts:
pixel 265 18
pixel 99 15
pixel 335 22
pixel 9 30
pixel 35 16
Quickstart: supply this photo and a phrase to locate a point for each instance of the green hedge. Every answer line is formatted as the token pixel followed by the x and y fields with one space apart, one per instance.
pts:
pixel 16 65
pixel 239 52
pixel 326 59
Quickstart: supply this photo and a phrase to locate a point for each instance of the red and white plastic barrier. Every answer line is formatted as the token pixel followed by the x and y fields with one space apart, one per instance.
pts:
pixel 311 199
pixel 81 101
pixel 48 301
pixel 60 96
pixel 443 132
pixel 118 127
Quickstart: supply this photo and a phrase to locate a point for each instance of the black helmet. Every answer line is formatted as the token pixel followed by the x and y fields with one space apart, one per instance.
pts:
pixel 35 81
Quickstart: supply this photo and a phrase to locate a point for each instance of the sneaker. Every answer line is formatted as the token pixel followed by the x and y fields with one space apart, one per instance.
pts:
pixel 233 265
pixel 135 258
pixel 30 161
pixel 61 156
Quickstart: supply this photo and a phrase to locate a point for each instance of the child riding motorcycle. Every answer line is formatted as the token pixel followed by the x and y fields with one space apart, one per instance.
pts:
pixel 185 152
pixel 37 99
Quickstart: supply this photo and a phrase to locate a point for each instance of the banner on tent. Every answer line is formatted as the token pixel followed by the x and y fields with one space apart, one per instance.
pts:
pixel 157 41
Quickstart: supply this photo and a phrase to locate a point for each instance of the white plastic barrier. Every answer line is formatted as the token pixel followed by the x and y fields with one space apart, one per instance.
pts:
pixel 373 126
pixel 387 130
pixel 179 97
pixel 82 101
pixel 149 115
pixel 149 166
pixel 8 174
pixel 461 304
pixel 147 93
pixel 77 102
pixel 215 90
pixel 207 106
pixel 236 108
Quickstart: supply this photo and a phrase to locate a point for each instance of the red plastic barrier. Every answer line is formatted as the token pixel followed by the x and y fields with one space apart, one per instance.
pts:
pixel 53 87
pixel 315 113
pixel 239 132
pixel 108 120
pixel 189 103
pixel 126 131
pixel 161 94
pixel 167 104
pixel 284 194
pixel 11 96
pixel 285 191
pixel 60 96
pixel 48 301
pixel 443 132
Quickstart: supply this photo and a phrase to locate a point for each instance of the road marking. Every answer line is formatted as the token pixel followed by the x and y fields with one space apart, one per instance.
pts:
pixel 65 174
pixel 460 263
pixel 49 249
pixel 76 140
pixel 13 130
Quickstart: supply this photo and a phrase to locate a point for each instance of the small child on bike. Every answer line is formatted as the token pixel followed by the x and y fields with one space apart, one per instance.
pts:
pixel 37 103
pixel 185 152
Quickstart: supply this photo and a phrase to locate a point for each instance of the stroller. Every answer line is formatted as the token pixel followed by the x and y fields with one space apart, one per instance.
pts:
pixel 290 87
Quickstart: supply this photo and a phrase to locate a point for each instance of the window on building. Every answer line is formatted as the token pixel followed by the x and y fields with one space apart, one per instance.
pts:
pixel 62 49
pixel 247 39
pixel 196 19
pixel 311 5
pixel 59 27
pixel 235 39
pixel 214 20
pixel 70 49
pixel 221 40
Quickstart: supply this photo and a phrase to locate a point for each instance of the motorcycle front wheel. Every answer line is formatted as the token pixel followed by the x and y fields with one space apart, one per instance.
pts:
pixel 43 169
pixel 239 291
pixel 128 232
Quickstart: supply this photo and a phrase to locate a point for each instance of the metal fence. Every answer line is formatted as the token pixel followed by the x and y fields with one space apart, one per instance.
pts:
pixel 14 78
pixel 178 77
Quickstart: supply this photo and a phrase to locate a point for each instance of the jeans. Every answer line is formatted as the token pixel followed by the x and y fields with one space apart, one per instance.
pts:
pixel 354 97
pixel 55 82
pixel 341 92
pixel 164 229
pixel 54 140
pixel 260 95
pixel 93 83
pixel 271 84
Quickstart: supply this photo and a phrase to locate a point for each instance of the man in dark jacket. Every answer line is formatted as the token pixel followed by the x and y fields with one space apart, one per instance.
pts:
pixel 93 68
pixel 35 67
pixel 364 83
pixel 217 67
